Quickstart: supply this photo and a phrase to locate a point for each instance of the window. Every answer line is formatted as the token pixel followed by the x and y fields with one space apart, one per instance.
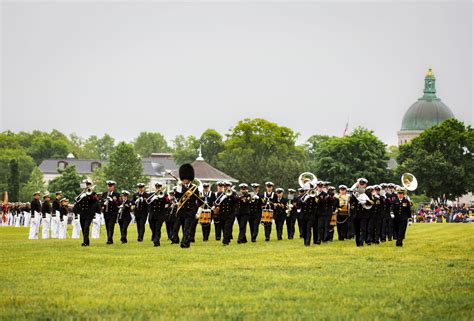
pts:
pixel 62 165
pixel 94 166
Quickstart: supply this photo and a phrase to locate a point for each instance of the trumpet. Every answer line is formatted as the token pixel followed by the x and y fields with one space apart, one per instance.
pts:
pixel 85 192
pixel 157 194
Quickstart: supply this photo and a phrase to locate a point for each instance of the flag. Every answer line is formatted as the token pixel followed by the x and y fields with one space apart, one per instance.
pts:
pixel 345 129
pixel 5 207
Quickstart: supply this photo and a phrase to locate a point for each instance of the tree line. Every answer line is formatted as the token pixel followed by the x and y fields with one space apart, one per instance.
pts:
pixel 254 150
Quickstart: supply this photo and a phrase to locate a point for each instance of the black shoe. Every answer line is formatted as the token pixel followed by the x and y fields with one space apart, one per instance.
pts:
pixel 368 243
pixel 377 242
pixel 254 240
pixel 267 239
pixel 84 244
pixel 317 243
pixel 307 245
pixel 139 240
pixel 218 238
pixel 156 244
pixel 108 243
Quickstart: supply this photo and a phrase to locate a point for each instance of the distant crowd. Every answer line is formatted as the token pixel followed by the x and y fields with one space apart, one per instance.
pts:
pixel 444 214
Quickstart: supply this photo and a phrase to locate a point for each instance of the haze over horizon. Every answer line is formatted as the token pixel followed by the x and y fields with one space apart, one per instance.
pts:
pixel 181 68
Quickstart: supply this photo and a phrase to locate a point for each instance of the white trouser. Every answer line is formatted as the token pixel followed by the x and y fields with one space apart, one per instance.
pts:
pixel 46 224
pixel 62 233
pixel 27 218
pixel 76 228
pixel 96 226
pixel 55 225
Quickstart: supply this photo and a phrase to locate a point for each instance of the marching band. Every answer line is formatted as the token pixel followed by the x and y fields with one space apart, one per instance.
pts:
pixel 368 214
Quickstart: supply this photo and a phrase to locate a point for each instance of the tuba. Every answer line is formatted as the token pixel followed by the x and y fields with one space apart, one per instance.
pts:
pixel 409 181
pixel 310 191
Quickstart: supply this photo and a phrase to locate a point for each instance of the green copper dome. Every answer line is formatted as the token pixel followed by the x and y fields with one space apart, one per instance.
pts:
pixel 428 111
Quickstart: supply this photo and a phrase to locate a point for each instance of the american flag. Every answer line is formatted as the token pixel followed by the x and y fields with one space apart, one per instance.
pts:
pixel 345 129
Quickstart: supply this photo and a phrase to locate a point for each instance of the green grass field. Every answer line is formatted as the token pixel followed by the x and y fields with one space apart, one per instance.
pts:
pixel 430 278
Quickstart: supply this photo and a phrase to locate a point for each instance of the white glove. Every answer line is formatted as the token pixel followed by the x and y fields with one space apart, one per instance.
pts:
pixel 179 188
pixel 392 215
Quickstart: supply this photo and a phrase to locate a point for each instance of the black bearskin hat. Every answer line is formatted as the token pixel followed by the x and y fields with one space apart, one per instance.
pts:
pixel 186 171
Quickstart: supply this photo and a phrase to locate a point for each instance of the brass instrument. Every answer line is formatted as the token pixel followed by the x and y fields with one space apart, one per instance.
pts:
pixel 310 192
pixel 362 198
pixel 228 192
pixel 85 192
pixel 160 193
pixel 409 181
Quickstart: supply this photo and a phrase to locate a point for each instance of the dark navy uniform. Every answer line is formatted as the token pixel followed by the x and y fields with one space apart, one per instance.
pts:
pixel 141 212
pixel 35 207
pixel 268 202
pixel 45 208
pixel 361 217
pixel 291 218
pixel 243 216
pixel 55 206
pixel 87 206
pixel 279 214
pixel 325 209
pixel 124 219
pixel 187 214
pixel 110 202
pixel 157 216
pixel 375 220
pixel 255 209
pixel 387 221
pixel 227 210
pixel 401 209
pixel 209 198
pixel 309 207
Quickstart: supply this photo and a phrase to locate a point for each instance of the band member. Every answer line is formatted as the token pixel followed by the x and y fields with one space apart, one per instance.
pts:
pixel 342 212
pixel 255 211
pixel 268 202
pixel 209 197
pixel 124 216
pixel 140 210
pixel 215 210
pixel 158 204
pixel 243 214
pixel 325 206
pixel 171 214
pixel 63 213
pixel 332 217
pixel 87 205
pixel 375 219
pixel 387 221
pixel 227 211
pixel 291 213
pixel 309 207
pixel 188 204
pixel 298 214
pixel 279 213
pixel 401 211
pixel 110 202
pixel 46 212
pixel 361 204
pixel 35 215
pixel 57 202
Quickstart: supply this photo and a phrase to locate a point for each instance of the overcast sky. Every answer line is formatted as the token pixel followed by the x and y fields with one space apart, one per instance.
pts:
pixel 180 68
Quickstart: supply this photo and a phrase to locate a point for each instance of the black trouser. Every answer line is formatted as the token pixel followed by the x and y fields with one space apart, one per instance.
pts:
pixel 170 219
pixel 185 220
pixel 206 230
pixel 323 228
pixel 387 227
pixel 242 219
pixel 123 229
pixel 360 227
pixel 290 225
pixel 158 220
pixel 192 232
pixel 86 220
pixel 110 220
pixel 279 222
pixel 342 226
pixel 152 223
pixel 140 219
pixel 350 227
pixel 331 229
pixel 301 226
pixel 217 226
pixel 254 223
pixel 227 222
pixel 374 225
pixel 400 228
pixel 311 228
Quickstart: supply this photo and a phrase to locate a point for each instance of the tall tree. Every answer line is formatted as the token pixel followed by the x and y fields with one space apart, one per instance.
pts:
pixel 101 148
pixel 211 144
pixel 185 149
pixel 125 167
pixel 257 150
pixel 14 181
pixel 69 182
pixel 35 183
pixel 44 147
pixel 25 163
pixel 342 160
pixel 441 158
pixel 148 142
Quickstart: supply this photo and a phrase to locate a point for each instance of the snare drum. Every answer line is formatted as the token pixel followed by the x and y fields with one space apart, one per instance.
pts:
pixel 267 216
pixel 333 220
pixel 205 217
